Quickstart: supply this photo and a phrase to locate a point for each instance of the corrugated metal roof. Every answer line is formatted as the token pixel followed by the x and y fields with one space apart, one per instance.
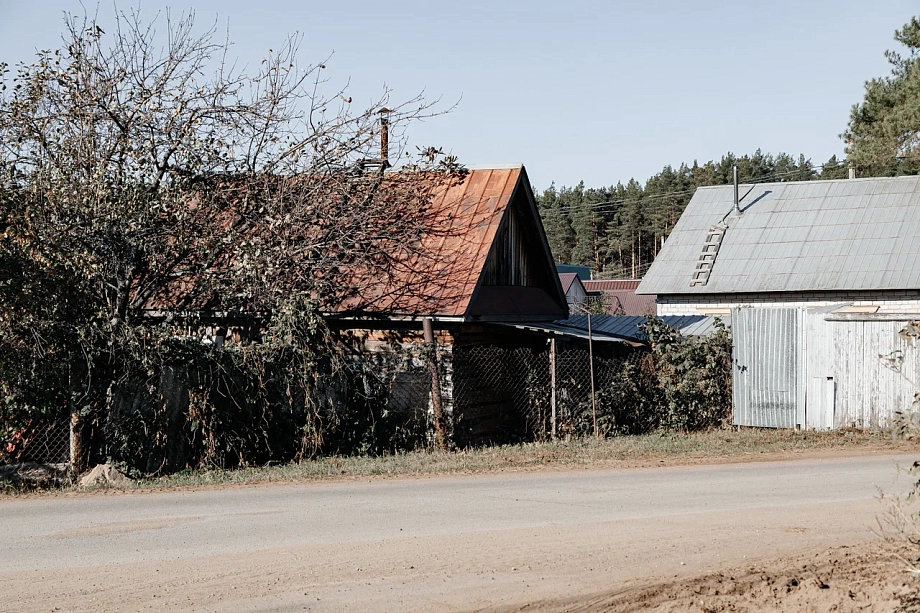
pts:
pixel 626 326
pixel 621 296
pixel 628 303
pixel 438 274
pixel 465 218
pixel 857 234
pixel 598 285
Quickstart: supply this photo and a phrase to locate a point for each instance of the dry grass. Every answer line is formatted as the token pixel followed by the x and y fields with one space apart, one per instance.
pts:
pixel 627 451
pixel 716 446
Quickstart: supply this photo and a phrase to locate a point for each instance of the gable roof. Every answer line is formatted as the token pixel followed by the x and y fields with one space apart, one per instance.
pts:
pixel 854 234
pixel 468 217
pixel 567 278
pixel 478 251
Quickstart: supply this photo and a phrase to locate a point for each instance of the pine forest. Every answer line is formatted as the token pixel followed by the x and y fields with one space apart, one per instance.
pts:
pixel 617 231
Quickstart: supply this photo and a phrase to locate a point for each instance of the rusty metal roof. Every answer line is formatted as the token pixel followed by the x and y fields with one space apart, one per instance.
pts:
pixel 598 285
pixel 466 217
pixel 441 274
pixel 621 296
pixel 626 302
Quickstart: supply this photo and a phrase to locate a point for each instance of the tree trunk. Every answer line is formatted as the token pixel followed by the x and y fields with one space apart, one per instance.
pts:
pixel 77 439
pixel 639 269
pixel 632 250
pixel 77 444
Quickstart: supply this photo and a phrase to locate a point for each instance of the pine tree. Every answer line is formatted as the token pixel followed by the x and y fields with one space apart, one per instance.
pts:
pixel 584 224
pixel 883 135
pixel 833 169
pixel 618 230
pixel 557 225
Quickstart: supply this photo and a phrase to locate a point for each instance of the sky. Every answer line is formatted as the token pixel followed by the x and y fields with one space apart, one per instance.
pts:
pixel 599 91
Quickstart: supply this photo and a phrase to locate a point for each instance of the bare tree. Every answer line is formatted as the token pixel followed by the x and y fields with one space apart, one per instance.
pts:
pixel 145 172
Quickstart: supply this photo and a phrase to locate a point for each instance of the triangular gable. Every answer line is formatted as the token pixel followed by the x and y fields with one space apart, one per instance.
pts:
pixel 518 279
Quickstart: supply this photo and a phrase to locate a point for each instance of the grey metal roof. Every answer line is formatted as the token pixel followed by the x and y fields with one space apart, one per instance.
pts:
pixel 627 326
pixel 856 234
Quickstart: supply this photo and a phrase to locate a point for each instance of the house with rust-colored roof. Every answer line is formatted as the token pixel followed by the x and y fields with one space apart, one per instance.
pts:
pixel 486 284
pixel 479 262
pixel 484 258
pixel 621 297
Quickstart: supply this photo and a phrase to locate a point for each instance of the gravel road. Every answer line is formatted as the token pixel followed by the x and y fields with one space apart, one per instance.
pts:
pixel 460 543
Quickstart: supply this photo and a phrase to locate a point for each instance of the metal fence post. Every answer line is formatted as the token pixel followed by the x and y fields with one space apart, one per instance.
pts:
pixel 552 384
pixel 591 361
pixel 439 437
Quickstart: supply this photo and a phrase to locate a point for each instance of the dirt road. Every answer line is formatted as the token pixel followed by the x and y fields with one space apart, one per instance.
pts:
pixel 433 544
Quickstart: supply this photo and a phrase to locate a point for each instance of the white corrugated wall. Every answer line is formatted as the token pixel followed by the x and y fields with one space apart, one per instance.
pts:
pixel 853 370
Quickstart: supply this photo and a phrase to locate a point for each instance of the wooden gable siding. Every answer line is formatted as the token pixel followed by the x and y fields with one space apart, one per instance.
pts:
pixel 519 279
pixel 515 258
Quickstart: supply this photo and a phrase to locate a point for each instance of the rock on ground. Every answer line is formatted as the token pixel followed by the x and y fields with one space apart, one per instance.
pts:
pixel 105 474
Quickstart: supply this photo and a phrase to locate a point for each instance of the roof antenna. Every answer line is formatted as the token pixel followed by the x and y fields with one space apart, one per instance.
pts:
pixel 735 179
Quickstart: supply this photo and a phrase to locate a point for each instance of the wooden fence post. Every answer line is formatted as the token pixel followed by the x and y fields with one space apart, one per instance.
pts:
pixel 432 349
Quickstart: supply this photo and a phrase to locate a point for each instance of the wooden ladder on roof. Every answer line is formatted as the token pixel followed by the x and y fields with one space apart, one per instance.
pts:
pixel 708 255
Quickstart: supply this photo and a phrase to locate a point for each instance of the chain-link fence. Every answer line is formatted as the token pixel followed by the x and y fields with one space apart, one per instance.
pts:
pixel 39 441
pixel 381 402
pixel 387 397
pixel 497 393
pixel 504 395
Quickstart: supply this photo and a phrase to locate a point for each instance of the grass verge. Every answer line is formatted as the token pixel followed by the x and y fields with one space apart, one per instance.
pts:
pixel 626 451
pixel 620 452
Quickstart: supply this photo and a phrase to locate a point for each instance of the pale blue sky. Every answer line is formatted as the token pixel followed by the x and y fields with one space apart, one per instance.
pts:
pixel 600 91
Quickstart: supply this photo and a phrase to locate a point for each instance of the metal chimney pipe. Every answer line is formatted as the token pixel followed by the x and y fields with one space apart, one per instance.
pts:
pixel 384 136
pixel 735 179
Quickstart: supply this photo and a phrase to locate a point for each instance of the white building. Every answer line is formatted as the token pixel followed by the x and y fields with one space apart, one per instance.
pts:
pixel 822 280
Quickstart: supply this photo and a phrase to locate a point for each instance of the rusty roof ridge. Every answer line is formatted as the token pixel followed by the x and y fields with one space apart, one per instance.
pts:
pixel 493 166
